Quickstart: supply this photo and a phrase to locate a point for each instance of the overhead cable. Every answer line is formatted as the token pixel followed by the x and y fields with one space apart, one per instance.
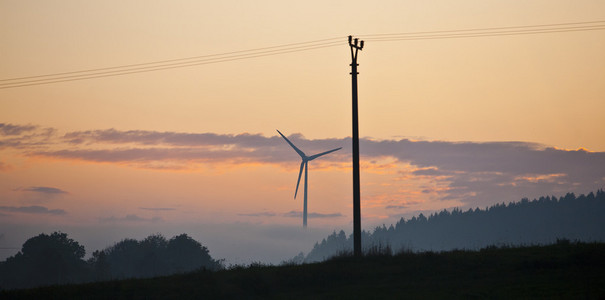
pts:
pixel 293 47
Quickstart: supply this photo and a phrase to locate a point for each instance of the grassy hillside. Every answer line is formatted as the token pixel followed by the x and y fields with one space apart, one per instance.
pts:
pixel 567 270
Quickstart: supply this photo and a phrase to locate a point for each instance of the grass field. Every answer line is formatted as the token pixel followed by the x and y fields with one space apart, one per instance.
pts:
pixel 562 270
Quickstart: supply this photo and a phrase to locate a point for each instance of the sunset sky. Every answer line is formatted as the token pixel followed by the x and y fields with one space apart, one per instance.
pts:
pixel 445 122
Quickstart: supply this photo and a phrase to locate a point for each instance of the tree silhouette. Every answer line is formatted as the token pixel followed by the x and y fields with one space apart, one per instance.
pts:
pixel 153 260
pixel 45 259
pixel 187 254
pixel 100 266
pixel 57 259
pixel 155 256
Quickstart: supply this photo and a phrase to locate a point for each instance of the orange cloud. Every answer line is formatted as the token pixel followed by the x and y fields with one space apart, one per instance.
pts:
pixel 400 199
pixel 540 177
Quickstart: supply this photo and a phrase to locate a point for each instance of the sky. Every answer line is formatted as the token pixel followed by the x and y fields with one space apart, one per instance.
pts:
pixel 444 123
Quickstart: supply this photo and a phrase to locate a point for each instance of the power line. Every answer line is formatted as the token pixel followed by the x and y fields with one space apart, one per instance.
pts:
pixel 155 66
pixel 178 59
pixel 468 34
pixel 601 23
pixel 293 47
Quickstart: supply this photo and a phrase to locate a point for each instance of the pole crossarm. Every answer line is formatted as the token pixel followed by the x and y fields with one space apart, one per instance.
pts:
pixel 355 44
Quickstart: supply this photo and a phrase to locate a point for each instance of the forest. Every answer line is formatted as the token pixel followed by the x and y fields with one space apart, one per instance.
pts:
pixel 538 222
pixel 56 259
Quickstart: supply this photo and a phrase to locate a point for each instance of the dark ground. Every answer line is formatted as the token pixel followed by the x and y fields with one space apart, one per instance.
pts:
pixel 564 270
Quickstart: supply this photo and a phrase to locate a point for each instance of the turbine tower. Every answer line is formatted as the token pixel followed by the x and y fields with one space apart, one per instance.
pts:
pixel 305 160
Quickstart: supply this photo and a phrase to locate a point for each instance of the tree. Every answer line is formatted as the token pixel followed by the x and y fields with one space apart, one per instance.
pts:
pixel 155 256
pixel 123 257
pixel 153 260
pixel 45 259
pixel 100 266
pixel 57 259
pixel 187 254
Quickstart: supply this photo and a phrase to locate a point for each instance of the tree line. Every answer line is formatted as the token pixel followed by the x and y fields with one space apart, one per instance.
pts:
pixel 540 221
pixel 55 258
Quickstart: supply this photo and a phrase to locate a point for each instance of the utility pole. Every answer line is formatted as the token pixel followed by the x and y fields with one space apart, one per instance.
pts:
pixel 355 45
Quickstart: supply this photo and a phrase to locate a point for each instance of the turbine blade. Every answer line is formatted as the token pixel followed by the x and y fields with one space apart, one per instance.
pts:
pixel 302 154
pixel 312 157
pixel 298 181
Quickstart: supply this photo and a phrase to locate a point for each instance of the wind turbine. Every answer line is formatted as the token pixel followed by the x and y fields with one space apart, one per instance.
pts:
pixel 305 160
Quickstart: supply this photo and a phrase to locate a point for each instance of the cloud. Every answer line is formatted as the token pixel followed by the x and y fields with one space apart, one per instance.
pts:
pixel 129 218
pixel 429 172
pixel 290 214
pixel 469 172
pixel 141 155
pixel 145 147
pixel 140 147
pixel 34 209
pixel 26 137
pixel 299 214
pixel 484 173
pixel 10 129
pixel 142 137
pixel 157 208
pixel 42 190
pixel 396 206
pixel 320 215
pixel 497 157
pixel 259 214
pixel 432 157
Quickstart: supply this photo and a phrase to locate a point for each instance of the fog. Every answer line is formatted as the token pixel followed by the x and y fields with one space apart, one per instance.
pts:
pixel 237 243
